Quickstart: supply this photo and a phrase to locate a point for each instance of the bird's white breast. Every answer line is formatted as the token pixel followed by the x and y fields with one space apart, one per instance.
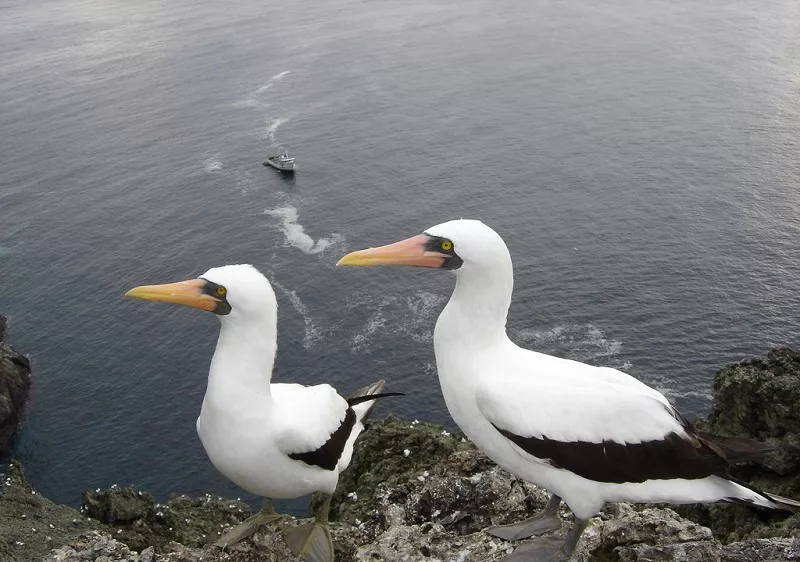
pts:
pixel 239 444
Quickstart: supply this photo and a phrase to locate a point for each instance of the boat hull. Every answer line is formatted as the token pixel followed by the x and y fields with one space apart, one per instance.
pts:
pixel 278 166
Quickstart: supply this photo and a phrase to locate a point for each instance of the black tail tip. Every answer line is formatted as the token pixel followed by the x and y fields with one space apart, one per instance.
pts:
pixel 366 398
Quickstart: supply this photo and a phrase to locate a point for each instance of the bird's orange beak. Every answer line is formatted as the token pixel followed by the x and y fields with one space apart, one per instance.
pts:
pixel 412 251
pixel 187 293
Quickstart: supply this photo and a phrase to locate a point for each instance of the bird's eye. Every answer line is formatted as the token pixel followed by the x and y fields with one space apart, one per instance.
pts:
pixel 221 291
pixel 447 245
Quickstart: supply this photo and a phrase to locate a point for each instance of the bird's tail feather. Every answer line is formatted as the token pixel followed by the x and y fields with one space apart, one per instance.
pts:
pixel 785 504
pixel 763 499
pixel 364 399
pixel 739 449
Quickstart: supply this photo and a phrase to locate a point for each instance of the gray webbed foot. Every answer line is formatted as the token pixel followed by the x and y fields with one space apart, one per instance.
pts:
pixel 311 541
pixel 539 524
pixel 543 549
pixel 249 526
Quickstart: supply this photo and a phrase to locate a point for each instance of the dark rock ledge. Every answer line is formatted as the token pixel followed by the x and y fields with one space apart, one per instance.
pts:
pixel 417 493
pixel 15 383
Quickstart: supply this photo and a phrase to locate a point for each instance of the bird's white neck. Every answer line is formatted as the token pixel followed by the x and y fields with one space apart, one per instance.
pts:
pixel 242 363
pixel 477 310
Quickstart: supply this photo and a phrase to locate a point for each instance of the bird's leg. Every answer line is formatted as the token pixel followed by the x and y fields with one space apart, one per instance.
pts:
pixel 545 549
pixel 250 525
pixel 543 522
pixel 312 541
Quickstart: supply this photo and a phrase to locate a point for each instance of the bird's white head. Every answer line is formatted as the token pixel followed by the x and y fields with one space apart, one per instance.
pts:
pixel 480 260
pixel 231 292
pixel 247 292
pixel 463 245
pixel 475 244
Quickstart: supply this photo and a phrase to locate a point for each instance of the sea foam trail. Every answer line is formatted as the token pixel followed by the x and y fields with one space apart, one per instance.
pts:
pixel 581 342
pixel 412 316
pixel 313 333
pixel 295 233
pixel 272 128
pixel 252 100
pixel 212 164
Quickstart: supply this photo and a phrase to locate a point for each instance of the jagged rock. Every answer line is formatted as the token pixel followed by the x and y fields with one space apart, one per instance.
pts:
pixel 92 547
pixel 461 502
pixel 118 505
pixel 387 452
pixel 416 493
pixel 31 525
pixel 763 550
pixel 15 383
pixel 140 522
pixel 430 542
pixel 624 533
pixel 759 399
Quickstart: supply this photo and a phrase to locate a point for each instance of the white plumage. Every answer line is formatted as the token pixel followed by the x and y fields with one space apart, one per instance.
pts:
pixel 274 440
pixel 590 435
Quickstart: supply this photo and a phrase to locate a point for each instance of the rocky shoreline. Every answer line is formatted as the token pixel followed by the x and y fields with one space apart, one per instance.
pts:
pixel 415 492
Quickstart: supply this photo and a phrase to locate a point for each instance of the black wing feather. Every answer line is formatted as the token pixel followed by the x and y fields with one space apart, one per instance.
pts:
pixel 674 456
pixel 327 456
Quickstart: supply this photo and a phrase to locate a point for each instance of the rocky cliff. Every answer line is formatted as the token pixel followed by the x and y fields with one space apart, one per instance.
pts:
pixel 415 492
pixel 15 383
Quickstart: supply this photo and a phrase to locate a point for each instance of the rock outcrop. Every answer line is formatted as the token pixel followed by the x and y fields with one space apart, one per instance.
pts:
pixel 415 492
pixel 30 524
pixel 15 383
pixel 438 493
pixel 759 399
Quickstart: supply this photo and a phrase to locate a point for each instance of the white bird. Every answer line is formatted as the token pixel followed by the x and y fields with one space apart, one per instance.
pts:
pixel 589 435
pixel 274 440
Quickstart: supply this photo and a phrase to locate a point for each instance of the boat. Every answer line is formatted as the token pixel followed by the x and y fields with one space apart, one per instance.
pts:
pixel 281 161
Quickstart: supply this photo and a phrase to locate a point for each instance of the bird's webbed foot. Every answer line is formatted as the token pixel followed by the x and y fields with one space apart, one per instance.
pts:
pixel 541 523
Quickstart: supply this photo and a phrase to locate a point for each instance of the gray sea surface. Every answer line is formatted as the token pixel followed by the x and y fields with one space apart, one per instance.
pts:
pixel 639 158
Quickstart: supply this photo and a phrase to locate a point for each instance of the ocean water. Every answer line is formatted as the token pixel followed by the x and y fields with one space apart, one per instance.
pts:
pixel 640 160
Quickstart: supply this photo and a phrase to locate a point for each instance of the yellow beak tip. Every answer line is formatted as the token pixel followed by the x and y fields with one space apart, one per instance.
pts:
pixel 349 259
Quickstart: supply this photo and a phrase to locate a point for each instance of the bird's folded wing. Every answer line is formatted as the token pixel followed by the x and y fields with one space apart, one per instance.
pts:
pixel 591 413
pixel 313 423
pixel 602 432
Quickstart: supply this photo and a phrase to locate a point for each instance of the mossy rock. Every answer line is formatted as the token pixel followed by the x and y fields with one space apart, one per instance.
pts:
pixel 140 522
pixel 390 452
pixel 759 399
pixel 30 524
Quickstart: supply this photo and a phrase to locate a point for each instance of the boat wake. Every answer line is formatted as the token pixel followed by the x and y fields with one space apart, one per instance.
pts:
pixel 253 99
pixel 295 233
pixel 212 164
pixel 582 342
pixel 272 128
pixel 412 316
pixel 313 333
pixel 246 182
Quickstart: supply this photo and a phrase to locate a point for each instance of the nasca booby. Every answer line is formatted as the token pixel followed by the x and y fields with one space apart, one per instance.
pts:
pixel 275 440
pixel 589 435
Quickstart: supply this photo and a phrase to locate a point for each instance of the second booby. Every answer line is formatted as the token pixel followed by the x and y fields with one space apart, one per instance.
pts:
pixel 589 435
pixel 275 440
